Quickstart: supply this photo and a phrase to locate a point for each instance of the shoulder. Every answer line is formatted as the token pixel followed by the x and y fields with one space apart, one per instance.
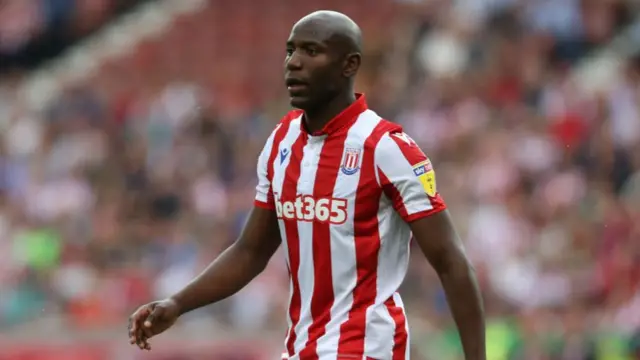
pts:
pixel 395 144
pixel 288 118
pixel 283 125
pixel 380 136
pixel 291 115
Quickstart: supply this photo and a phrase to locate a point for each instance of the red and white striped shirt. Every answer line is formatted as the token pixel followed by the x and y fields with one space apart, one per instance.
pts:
pixel 344 197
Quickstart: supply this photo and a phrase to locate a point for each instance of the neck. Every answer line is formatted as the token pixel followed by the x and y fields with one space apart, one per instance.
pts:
pixel 315 120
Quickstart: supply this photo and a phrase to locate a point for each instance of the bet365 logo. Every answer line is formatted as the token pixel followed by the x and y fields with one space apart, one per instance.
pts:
pixel 306 208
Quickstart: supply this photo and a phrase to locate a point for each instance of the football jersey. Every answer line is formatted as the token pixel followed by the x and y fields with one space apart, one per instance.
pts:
pixel 344 197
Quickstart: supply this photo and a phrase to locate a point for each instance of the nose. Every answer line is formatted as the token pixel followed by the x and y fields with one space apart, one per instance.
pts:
pixel 294 62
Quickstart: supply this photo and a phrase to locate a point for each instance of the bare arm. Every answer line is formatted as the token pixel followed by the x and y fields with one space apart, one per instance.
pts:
pixel 227 274
pixel 408 179
pixel 236 266
pixel 443 249
pixel 249 255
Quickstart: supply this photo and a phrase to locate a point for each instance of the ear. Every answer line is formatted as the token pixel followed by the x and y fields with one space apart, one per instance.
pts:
pixel 351 64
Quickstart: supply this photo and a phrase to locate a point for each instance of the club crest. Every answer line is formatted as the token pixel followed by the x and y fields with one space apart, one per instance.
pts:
pixel 351 161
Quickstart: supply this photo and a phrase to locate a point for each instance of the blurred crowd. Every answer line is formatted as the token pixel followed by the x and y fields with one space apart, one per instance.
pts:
pixel 34 30
pixel 126 186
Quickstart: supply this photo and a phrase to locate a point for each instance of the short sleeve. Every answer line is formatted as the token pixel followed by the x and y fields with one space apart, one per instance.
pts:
pixel 264 194
pixel 407 177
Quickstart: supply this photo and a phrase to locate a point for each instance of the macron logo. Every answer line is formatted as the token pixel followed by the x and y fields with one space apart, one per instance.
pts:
pixel 283 155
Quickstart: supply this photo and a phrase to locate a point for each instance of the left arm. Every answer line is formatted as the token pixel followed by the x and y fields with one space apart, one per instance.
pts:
pixel 442 247
pixel 408 179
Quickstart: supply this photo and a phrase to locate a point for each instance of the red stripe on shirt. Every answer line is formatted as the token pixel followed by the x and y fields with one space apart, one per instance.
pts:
pixel 323 296
pixel 393 194
pixel 281 132
pixel 289 191
pixel 387 186
pixel 401 336
pixel 367 246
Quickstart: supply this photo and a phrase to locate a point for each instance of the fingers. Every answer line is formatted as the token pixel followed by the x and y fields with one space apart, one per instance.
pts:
pixel 137 335
pixel 134 321
pixel 142 341
pixel 147 326
pixel 130 329
pixel 153 316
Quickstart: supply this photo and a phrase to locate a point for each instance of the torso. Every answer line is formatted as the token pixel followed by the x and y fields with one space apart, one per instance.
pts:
pixel 346 248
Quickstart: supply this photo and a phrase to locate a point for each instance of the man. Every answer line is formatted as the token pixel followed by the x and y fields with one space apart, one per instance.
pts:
pixel 343 191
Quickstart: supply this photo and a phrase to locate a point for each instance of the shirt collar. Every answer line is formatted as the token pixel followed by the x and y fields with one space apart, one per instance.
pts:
pixel 344 119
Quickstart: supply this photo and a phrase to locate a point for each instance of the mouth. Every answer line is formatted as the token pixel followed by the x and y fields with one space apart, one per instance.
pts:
pixel 296 85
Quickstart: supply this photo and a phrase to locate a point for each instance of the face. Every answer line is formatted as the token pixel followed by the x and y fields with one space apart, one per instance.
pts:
pixel 314 71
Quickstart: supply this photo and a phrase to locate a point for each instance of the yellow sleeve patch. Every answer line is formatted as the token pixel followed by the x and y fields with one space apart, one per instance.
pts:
pixel 427 176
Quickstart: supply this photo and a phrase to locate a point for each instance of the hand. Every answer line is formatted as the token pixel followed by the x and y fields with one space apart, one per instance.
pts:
pixel 150 320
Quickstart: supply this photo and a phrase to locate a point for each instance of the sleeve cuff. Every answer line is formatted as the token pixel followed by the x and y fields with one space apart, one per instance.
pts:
pixel 264 205
pixel 422 214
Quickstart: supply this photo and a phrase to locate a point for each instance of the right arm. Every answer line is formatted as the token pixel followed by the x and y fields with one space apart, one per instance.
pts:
pixel 236 266
pixel 226 275
pixel 248 256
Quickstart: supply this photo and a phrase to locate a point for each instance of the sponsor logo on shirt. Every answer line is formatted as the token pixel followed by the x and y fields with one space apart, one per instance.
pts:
pixel 424 171
pixel 307 208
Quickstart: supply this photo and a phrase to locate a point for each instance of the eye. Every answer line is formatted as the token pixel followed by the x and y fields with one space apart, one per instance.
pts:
pixel 289 51
pixel 312 51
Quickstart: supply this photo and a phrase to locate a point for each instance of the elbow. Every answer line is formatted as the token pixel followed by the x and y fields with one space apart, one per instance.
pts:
pixel 455 264
pixel 260 263
pixel 251 257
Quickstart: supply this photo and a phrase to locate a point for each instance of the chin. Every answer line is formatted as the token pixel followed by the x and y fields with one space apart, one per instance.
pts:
pixel 299 102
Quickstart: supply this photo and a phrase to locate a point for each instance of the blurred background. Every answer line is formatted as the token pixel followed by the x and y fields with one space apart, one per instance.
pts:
pixel 130 132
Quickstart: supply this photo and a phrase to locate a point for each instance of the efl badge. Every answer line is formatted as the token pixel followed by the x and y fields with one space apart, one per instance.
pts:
pixel 351 161
pixel 424 171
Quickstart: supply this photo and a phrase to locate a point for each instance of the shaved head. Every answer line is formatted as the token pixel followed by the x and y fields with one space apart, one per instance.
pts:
pixel 335 26
pixel 323 58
